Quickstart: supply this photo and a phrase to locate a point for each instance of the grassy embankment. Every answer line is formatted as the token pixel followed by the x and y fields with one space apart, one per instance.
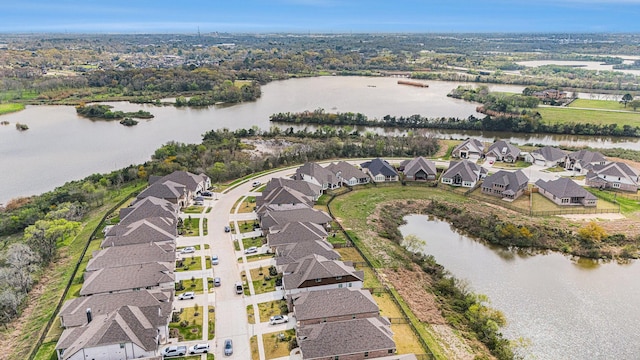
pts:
pixel 599 104
pixel 24 332
pixel 563 115
pixel 9 108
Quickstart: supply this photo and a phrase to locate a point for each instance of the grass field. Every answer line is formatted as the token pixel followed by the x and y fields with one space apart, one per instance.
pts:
pixel 9 108
pixel 189 263
pixel 194 285
pixel 274 347
pixel 569 115
pixel 599 104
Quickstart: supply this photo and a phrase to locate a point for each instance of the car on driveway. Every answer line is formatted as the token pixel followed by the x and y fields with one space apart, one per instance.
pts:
pixel 187 295
pixel 172 351
pixel 278 319
pixel 207 193
pixel 214 260
pixel 227 229
pixel 251 250
pixel 228 347
pixel 199 349
pixel 188 250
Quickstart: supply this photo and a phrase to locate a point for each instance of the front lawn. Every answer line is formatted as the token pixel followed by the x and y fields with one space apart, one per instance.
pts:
pixel 256 241
pixel 270 308
pixel 262 283
pixel 276 344
pixel 189 263
pixel 190 227
pixel 193 284
pixel 247 226
pixel 188 324
pixel 196 209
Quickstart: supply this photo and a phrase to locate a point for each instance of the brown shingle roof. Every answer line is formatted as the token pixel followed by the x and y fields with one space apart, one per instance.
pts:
pixel 304 187
pixel 316 267
pixel 335 302
pixel 320 174
pixel 290 253
pixel 117 256
pixel 281 218
pixel 297 232
pixel 127 278
pixel 148 207
pixel 346 170
pixel 330 339
pixel 142 231
pixel 283 195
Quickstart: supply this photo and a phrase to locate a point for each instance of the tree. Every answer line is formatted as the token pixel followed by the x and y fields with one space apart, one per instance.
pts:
pixel 592 233
pixel 626 98
pixel 413 243
pixel 635 104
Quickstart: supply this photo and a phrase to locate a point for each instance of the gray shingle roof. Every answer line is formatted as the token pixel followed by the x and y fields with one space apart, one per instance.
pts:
pixel 618 169
pixel 346 170
pixel 264 208
pixel 126 325
pixel 142 231
pixel 283 195
pixel 290 253
pixel 127 278
pixel 147 208
pixel 550 153
pixel 586 157
pixel 330 339
pixel 304 187
pixel 322 175
pixel 335 302
pixel 379 166
pixel 281 218
pixel 511 180
pixel 117 256
pixel 420 163
pixel 469 171
pixel 163 190
pixel 503 148
pixel 73 312
pixel 316 267
pixel 296 232
pixel 565 188
pixel 473 145
pixel 189 180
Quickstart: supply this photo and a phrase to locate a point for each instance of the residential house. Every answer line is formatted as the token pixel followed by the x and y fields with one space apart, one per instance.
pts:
pixel 195 184
pixel 502 151
pixel 380 170
pixel 548 156
pixel 282 196
pixel 149 207
pixel 463 173
pixel 126 333
pixel 565 192
pixel 294 252
pixel 310 190
pixel 419 169
pixel 366 338
pixel 129 278
pixel 168 190
pixel 316 174
pixel 266 207
pixel 277 219
pixel 348 174
pixel 296 232
pixel 550 94
pixel 615 175
pixel 316 272
pixel 469 149
pixel 505 184
pixel 116 256
pixel 315 307
pixel 140 232
pixel 582 161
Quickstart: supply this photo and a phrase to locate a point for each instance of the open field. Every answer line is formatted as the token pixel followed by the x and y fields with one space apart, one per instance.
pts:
pixel 599 104
pixel 569 115
pixel 9 108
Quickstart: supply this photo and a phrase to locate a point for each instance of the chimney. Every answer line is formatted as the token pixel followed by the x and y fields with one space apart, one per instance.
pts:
pixel 89 316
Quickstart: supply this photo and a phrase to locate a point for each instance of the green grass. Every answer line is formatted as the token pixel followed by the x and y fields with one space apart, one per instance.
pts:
pixel 212 324
pixel 270 308
pixel 189 264
pixel 569 115
pixel 191 285
pixel 517 165
pixel 250 314
pixel 260 285
pixel 274 347
pixel 197 247
pixel 627 206
pixel 599 104
pixel 191 227
pixel 257 257
pixel 193 328
pixel 18 95
pixel 337 238
pixel 205 227
pixel 207 262
pixel 193 209
pixel 249 242
pixel 246 226
pixel 370 278
pixel 9 108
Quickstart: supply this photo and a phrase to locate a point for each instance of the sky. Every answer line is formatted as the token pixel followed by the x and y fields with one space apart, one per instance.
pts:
pixel 319 16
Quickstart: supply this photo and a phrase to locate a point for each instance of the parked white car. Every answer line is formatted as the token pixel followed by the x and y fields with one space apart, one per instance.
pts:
pixel 199 349
pixel 188 250
pixel 251 250
pixel 278 319
pixel 171 351
pixel 187 295
pixel 214 260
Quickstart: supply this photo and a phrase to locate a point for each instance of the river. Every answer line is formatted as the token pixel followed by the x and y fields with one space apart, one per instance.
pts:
pixel 61 146
pixel 568 308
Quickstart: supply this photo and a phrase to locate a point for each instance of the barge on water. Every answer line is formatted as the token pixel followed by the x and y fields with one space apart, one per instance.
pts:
pixel 413 83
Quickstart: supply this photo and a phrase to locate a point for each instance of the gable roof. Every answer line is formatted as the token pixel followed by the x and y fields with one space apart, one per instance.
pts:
pixel 290 253
pixel 155 304
pixel 511 180
pixel 468 171
pixel 163 190
pixel 126 325
pixel 262 209
pixel 116 256
pixel 503 148
pixel 283 195
pixel 322 175
pixel 294 232
pixel 142 231
pixel 616 169
pixel 147 208
pixel 189 180
pixel 420 163
pixel 127 278
pixel 550 153
pixel 304 187
pixel 346 170
pixel 565 188
pixel 334 302
pixel 378 166
pixel 316 267
pixel 280 218
pixel 470 144
pixel 337 338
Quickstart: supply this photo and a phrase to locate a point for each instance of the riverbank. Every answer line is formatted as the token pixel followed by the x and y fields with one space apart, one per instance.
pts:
pixel 10 108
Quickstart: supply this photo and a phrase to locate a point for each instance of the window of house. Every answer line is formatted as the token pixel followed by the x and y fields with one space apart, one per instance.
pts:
pixel 338 277
pixel 339 286
pixel 616 185
pixel 121 346
pixel 366 354
pixel 349 285
pixel 318 280
pixel 390 351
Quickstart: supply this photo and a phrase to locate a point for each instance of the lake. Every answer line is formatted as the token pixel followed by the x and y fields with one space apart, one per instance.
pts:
pixel 569 308
pixel 61 146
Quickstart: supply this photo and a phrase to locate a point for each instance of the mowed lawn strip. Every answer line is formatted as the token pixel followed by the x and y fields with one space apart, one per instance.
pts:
pixel 570 115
